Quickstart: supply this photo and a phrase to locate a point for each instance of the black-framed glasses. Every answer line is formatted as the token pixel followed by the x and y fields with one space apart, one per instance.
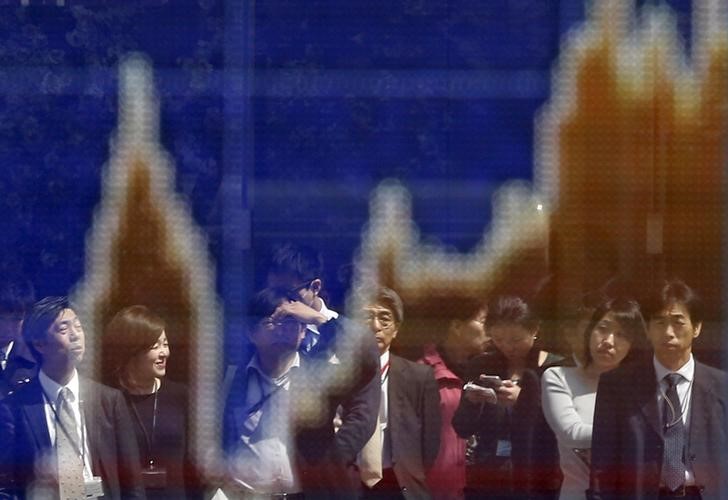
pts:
pixel 297 288
pixel 287 323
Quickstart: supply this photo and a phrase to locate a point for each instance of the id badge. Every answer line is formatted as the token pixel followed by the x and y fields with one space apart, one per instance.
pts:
pixel 94 487
pixel 503 448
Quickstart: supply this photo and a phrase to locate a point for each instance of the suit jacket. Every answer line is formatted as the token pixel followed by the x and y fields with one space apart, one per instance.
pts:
pixel 26 444
pixel 627 440
pixel 413 422
pixel 357 348
pixel 319 460
pixel 19 369
pixel 534 451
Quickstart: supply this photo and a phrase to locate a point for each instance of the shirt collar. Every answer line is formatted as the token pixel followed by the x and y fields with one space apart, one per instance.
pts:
pixel 51 388
pixel 687 370
pixel 7 348
pixel 384 359
pixel 329 313
pixel 254 364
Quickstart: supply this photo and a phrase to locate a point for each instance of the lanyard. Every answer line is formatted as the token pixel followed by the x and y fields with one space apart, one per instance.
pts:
pixel 147 439
pixel 81 450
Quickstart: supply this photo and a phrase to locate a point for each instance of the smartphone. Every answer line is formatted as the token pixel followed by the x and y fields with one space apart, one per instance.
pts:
pixel 477 388
pixel 489 381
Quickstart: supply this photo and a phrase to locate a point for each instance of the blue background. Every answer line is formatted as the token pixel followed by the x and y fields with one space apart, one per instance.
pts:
pixel 281 118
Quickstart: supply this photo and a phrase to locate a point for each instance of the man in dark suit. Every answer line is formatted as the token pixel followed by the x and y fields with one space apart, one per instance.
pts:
pixel 299 270
pixel 63 435
pixel 17 364
pixel 395 461
pixel 661 423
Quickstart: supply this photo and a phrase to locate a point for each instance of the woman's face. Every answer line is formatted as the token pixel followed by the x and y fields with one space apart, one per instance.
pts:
pixel 608 344
pixel 472 335
pixel 514 341
pixel 151 363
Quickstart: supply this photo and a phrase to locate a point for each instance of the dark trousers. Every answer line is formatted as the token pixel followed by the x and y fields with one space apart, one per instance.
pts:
pixel 387 488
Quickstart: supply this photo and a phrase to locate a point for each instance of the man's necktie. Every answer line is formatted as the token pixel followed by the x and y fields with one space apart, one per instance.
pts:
pixel 309 341
pixel 673 465
pixel 68 449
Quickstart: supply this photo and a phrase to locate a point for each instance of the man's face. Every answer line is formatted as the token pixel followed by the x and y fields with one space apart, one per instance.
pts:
pixel 305 291
pixel 672 331
pixel 382 323
pixel 282 336
pixel 64 341
pixel 11 324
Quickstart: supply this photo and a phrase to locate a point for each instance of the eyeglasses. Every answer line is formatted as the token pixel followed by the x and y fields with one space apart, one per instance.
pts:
pixel 385 318
pixel 285 323
pixel 298 288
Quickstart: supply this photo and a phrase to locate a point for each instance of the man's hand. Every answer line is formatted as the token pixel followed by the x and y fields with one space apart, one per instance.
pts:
pixel 300 312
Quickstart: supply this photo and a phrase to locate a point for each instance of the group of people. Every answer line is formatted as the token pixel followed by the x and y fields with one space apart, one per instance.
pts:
pixel 64 435
pixel 320 406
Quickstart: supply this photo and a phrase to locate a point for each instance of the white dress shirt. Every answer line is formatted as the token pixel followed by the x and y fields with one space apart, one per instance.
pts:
pixel 265 461
pixel 6 349
pixel 51 389
pixel 384 412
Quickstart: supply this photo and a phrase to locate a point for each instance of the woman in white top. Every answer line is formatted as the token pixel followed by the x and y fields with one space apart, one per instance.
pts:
pixel 569 393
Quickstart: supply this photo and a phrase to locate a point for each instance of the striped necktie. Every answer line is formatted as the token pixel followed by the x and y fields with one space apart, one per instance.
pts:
pixel 68 449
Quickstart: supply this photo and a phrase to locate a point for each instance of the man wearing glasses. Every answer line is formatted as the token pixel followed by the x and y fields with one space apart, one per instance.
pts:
pixel 278 432
pixel 400 452
pixel 298 269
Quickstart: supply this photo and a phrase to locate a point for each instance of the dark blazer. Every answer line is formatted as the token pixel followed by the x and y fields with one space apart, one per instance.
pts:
pixel 413 421
pixel 627 436
pixel 19 369
pixel 534 453
pixel 357 348
pixel 26 441
pixel 319 457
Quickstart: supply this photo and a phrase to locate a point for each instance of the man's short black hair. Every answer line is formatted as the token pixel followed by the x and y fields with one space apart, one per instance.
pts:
pixel 16 295
pixel 676 291
pixel 39 319
pixel 301 261
pixel 264 303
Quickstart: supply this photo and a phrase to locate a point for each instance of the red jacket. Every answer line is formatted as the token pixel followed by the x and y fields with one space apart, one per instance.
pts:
pixel 446 479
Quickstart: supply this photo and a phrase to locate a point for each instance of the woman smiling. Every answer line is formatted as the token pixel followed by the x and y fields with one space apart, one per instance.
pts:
pixel 137 340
